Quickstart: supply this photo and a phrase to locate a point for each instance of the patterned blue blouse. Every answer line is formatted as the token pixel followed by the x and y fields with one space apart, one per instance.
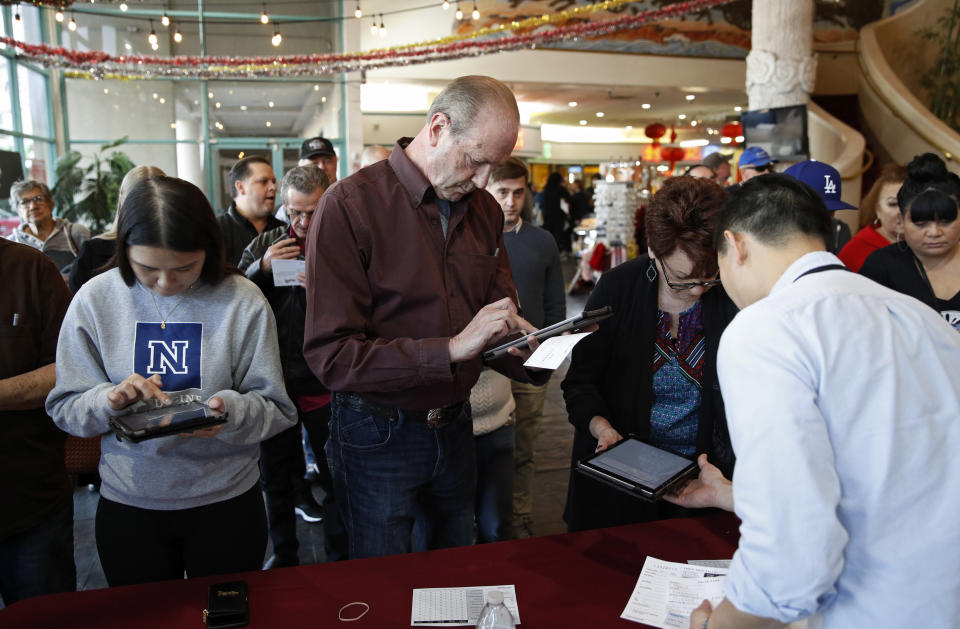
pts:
pixel 677 382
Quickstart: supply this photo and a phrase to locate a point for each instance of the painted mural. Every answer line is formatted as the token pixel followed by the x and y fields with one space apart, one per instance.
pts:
pixel 719 32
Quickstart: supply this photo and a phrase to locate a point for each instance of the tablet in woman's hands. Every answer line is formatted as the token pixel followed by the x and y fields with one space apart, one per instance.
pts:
pixel 639 468
pixel 164 421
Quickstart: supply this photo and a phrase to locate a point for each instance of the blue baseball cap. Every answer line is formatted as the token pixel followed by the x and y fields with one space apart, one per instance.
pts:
pixel 755 156
pixel 823 178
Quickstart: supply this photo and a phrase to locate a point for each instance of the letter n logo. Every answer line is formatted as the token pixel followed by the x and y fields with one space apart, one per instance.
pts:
pixel 175 353
pixel 167 357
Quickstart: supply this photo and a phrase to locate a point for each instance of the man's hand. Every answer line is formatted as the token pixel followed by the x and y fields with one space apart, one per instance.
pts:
pixel 135 388
pixel 605 434
pixel 710 489
pixel 285 249
pixel 494 321
pixel 700 615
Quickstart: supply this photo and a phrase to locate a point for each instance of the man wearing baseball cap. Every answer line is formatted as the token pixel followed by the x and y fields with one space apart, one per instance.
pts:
pixel 319 152
pixel 754 161
pixel 825 180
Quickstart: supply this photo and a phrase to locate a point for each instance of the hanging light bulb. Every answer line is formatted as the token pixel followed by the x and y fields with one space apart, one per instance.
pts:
pixel 152 37
pixel 59 15
pixel 476 13
pixel 264 18
pixel 373 27
pixel 277 38
pixel 383 29
pixel 358 13
pixel 124 7
pixel 177 36
pixel 446 5
pixel 16 16
pixel 155 46
pixel 459 13
pixel 73 24
pixel 165 19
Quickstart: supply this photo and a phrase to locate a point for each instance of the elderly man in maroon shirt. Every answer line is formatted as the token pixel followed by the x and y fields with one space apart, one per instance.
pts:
pixel 408 281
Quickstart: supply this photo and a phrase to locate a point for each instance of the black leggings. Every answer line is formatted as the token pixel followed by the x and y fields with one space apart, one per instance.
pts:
pixel 143 545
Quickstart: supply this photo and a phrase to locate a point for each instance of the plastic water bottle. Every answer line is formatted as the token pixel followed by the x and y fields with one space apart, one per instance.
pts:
pixel 495 614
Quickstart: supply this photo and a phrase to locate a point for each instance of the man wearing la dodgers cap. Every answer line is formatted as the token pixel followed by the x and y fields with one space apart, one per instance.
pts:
pixel 825 179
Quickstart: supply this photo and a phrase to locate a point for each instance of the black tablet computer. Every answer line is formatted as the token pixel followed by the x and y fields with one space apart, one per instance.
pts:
pixel 582 320
pixel 639 468
pixel 168 420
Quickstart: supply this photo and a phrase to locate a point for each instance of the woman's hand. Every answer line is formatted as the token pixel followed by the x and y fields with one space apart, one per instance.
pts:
pixel 135 388
pixel 605 434
pixel 710 489
pixel 217 406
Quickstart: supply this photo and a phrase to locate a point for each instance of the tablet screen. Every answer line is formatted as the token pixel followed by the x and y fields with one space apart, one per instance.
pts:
pixel 641 463
pixel 165 417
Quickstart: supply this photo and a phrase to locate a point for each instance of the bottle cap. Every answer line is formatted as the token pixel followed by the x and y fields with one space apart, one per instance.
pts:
pixel 494 597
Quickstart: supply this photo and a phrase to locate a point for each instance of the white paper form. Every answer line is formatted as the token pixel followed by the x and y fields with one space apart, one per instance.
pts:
pixel 711 563
pixel 664 589
pixel 554 350
pixel 451 607
pixel 285 271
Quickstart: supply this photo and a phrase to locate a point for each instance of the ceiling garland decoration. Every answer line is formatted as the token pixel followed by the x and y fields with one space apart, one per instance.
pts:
pixel 524 35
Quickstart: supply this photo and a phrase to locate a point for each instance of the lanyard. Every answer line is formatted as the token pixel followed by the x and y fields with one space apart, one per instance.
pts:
pixel 820 269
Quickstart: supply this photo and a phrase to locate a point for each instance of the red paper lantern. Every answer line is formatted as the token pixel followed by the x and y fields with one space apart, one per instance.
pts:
pixel 672 154
pixel 732 130
pixel 655 131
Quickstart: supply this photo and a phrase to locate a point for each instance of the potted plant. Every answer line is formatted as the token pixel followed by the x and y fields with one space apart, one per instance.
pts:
pixel 87 193
pixel 942 81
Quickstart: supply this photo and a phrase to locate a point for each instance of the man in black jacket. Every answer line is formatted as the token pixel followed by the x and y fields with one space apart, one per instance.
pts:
pixel 254 189
pixel 281 457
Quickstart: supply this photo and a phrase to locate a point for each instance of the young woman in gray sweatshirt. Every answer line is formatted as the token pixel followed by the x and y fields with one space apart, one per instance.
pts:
pixel 170 324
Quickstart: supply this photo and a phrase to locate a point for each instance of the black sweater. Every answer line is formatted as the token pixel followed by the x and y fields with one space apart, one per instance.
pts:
pixel 611 375
pixel 898 269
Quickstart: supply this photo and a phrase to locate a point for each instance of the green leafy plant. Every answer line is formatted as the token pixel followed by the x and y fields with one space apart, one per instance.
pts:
pixel 942 81
pixel 87 192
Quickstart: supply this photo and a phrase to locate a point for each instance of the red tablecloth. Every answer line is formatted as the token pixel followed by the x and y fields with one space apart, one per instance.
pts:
pixel 574 580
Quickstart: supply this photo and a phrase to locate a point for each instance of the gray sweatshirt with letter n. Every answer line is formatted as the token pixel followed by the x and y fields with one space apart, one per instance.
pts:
pixel 219 341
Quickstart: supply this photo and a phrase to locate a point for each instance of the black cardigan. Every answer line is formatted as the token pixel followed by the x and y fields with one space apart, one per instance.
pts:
pixel 895 267
pixel 611 375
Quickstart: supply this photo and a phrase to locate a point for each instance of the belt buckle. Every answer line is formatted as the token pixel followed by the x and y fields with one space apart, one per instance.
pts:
pixel 435 417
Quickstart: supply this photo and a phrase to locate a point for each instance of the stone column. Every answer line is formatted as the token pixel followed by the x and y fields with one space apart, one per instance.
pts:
pixel 781 69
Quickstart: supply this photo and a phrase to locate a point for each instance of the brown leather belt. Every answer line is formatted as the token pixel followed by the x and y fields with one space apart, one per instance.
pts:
pixel 434 418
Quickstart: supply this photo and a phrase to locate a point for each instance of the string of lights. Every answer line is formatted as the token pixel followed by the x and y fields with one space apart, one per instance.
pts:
pixel 99 64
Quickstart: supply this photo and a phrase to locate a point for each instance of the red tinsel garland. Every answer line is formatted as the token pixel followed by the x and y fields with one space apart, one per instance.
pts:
pixel 99 64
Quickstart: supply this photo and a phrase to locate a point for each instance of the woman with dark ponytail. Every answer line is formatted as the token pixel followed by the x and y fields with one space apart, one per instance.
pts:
pixel 927 264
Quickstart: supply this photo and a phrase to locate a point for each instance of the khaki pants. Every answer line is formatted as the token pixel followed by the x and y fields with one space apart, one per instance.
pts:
pixel 529 399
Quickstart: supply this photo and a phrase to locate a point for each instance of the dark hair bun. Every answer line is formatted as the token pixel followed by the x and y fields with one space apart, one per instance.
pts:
pixel 927 168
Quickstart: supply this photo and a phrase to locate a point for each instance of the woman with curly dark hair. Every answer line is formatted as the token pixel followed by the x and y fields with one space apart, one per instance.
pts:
pixel 650 370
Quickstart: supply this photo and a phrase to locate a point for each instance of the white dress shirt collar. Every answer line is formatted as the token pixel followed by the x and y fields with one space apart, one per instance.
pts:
pixel 801 265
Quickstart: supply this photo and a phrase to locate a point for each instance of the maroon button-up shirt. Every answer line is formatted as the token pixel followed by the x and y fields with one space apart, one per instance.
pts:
pixel 386 291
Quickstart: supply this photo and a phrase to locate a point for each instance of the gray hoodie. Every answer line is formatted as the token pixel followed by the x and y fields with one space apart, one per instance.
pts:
pixel 220 341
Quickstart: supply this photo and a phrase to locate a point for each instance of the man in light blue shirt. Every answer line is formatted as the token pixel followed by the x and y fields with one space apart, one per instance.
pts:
pixel 843 400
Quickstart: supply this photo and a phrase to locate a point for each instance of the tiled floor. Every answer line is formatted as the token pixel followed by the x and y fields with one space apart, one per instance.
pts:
pixel 552 460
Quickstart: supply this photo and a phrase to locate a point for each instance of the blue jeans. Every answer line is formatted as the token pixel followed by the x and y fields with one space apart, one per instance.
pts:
pixel 39 560
pixel 494 500
pixel 387 471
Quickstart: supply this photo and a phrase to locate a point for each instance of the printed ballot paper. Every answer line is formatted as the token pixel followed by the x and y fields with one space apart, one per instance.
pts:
pixel 667 592
pixel 451 607
pixel 554 351
pixel 285 272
